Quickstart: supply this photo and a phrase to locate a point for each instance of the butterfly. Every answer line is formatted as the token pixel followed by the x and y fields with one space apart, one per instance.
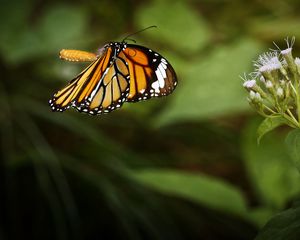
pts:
pixel 119 73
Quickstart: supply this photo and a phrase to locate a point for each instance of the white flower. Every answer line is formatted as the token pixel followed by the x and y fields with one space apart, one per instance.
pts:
pixel 249 84
pixel 289 43
pixel 267 62
pixel 286 51
pixel 289 46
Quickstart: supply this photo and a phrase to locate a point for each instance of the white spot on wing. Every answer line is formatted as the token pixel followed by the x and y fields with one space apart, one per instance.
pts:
pixel 142 91
pixel 98 85
pixel 162 70
pixel 160 78
pixel 155 86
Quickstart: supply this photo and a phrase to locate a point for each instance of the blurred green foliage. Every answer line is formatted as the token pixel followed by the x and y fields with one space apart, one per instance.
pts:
pixel 293 144
pixel 215 93
pixel 183 167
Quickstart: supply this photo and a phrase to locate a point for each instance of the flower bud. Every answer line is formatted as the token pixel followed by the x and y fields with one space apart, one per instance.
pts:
pixel 258 97
pixel 269 84
pixel 252 95
pixel 262 79
pixel 279 92
pixel 297 62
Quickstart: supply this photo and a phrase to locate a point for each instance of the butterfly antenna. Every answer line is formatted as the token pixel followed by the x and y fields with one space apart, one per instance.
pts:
pixel 127 37
pixel 130 39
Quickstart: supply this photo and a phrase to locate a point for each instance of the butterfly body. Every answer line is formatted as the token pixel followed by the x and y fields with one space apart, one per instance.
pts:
pixel 77 55
pixel 120 73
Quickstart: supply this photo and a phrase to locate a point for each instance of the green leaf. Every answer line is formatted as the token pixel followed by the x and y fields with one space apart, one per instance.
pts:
pixel 293 145
pixel 268 124
pixel 269 168
pixel 178 24
pixel 283 226
pixel 209 87
pixel 208 191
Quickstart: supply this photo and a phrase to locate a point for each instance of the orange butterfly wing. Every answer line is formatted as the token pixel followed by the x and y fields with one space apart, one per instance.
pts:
pixel 101 87
pixel 151 75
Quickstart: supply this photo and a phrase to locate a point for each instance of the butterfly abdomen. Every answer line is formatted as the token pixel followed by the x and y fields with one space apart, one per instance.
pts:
pixel 77 55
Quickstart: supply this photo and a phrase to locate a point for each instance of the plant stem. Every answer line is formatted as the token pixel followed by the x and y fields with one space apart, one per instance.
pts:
pixel 269 109
pixel 296 92
pixel 293 121
pixel 298 104
pixel 292 116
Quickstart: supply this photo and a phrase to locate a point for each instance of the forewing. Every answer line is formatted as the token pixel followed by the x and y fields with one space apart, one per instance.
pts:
pixel 101 88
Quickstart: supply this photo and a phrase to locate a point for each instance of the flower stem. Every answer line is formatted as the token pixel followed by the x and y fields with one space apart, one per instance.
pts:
pixel 298 105
pixel 269 109
pixel 292 116
pixel 293 122
pixel 296 92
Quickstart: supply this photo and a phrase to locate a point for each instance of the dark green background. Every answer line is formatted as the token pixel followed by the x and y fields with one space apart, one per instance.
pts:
pixel 182 167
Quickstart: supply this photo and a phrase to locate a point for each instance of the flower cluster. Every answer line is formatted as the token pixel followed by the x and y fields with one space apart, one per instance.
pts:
pixel 273 87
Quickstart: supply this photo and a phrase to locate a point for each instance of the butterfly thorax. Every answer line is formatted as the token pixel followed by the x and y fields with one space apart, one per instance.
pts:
pixel 116 48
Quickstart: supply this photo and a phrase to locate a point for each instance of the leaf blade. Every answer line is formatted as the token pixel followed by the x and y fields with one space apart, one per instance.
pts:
pixel 293 145
pixel 205 190
pixel 268 124
pixel 284 225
